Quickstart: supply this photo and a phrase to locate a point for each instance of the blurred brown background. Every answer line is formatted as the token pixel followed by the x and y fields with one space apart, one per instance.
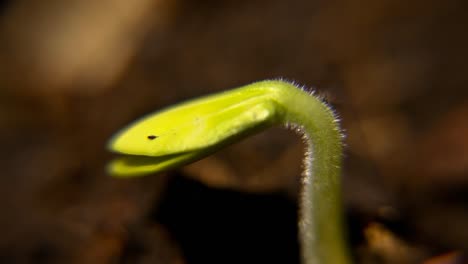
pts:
pixel 73 72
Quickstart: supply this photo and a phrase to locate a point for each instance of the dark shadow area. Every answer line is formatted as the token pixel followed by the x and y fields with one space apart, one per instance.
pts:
pixel 223 226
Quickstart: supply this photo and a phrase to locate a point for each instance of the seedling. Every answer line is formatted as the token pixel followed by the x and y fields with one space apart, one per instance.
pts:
pixel 193 130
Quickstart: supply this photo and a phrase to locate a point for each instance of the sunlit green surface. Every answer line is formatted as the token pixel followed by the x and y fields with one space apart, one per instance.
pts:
pixel 190 131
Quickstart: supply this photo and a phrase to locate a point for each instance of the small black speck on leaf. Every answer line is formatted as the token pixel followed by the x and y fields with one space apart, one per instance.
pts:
pixel 151 137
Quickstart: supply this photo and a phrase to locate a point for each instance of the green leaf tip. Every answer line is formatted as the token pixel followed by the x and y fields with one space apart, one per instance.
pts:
pixel 190 131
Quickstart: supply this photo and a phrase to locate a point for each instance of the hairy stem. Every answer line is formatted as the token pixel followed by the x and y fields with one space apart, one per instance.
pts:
pixel 321 222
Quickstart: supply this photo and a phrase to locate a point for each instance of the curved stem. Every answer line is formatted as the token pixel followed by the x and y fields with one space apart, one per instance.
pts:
pixel 321 222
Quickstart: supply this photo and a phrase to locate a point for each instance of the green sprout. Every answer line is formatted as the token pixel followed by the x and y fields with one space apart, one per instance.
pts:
pixel 193 130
